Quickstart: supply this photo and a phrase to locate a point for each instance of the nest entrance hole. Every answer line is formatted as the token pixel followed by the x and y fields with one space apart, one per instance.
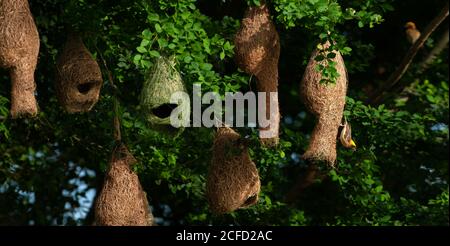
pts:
pixel 250 201
pixel 86 87
pixel 164 110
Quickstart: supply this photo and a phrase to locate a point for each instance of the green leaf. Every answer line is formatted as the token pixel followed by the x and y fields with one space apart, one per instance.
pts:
pixel 378 189
pixel 187 59
pixel 171 46
pixel 141 49
pixel 154 53
pixel 206 46
pixel 145 42
pixel 121 64
pixel 346 50
pixel 147 34
pixel 152 17
pixel 162 43
pixel 146 64
pixel 206 66
pixel 136 59
pixel 158 28
pixel 227 46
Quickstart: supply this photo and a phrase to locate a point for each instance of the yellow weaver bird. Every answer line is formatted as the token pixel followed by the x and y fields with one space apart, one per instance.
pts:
pixel 412 34
pixel 346 136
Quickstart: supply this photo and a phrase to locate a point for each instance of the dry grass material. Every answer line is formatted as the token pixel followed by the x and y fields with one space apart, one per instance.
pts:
pixel 122 201
pixel 19 49
pixel 257 49
pixel 162 80
pixel 78 77
pixel 326 102
pixel 233 180
pixel 266 84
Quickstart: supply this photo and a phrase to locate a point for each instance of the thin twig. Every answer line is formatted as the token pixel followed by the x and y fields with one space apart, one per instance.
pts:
pixel 116 123
pixel 377 96
pixel 438 48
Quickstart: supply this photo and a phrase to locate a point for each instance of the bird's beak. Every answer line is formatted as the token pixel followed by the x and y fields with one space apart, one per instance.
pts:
pixel 352 143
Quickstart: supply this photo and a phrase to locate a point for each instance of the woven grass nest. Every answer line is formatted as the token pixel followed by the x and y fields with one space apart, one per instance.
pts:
pixel 233 180
pixel 78 77
pixel 326 102
pixel 161 82
pixel 122 201
pixel 19 49
pixel 257 49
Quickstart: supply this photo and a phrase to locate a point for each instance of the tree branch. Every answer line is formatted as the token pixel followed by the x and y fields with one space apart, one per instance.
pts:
pixel 116 123
pixel 438 48
pixel 377 96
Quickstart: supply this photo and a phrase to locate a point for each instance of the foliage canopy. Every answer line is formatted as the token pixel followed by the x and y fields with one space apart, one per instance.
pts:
pixel 51 166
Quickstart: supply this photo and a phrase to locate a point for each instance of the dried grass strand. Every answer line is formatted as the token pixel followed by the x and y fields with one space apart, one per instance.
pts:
pixel 122 201
pixel 326 102
pixel 19 49
pixel 233 180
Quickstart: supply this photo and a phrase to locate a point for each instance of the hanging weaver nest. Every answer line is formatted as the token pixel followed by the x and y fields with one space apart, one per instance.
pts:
pixel 257 48
pixel 122 201
pixel 233 180
pixel 161 82
pixel 326 102
pixel 78 77
pixel 19 49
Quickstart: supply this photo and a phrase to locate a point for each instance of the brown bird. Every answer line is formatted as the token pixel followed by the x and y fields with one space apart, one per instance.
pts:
pixel 412 34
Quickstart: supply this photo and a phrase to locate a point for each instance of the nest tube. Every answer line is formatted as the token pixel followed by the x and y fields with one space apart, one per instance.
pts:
pixel 78 76
pixel 162 81
pixel 122 201
pixel 19 49
pixel 257 49
pixel 326 102
pixel 269 136
pixel 233 180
